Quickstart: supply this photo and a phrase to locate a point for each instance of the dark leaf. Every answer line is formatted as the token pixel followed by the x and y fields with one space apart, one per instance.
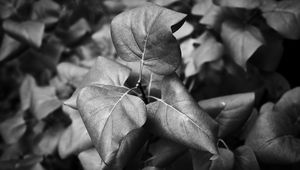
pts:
pixel 284 17
pixel 177 107
pixel 21 164
pixel 101 73
pixel 13 129
pixel 248 4
pixel 241 41
pixel 273 137
pixel 46 11
pixel 231 112
pixel 164 152
pixel 145 34
pixel 112 116
pixel 245 159
pixel 224 161
pixel 30 32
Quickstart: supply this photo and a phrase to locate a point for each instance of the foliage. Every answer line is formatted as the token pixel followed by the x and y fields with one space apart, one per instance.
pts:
pixel 151 84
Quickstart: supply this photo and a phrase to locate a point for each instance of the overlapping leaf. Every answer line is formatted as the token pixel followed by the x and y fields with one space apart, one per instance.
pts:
pixel 145 34
pixel 245 159
pixel 90 160
pixel 274 135
pixel 225 160
pixel 75 138
pixel 284 17
pixel 113 119
pixel 241 41
pixel 30 32
pixel 8 46
pixel 177 107
pixel 102 73
pixel 209 50
pixel 46 11
pixel 41 100
pixel 231 112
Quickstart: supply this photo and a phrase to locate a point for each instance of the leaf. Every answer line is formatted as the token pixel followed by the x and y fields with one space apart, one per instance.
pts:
pixel 101 73
pixel 185 30
pixel 284 17
pixel 224 161
pixel 71 73
pixel 145 34
pixel 197 130
pixel 151 168
pixel 111 116
pixel 13 129
pixel 201 7
pixel 247 4
pixel 30 32
pixel 46 11
pixel 20 164
pixel 241 40
pixel 245 159
pixel 48 141
pixel 164 152
pixel 273 137
pixel 210 50
pixel 75 138
pixel 102 37
pixel 231 112
pixel 90 160
pixel 40 100
pixel 8 47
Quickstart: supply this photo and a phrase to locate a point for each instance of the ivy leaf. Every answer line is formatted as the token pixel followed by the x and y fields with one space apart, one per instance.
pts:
pixel 30 32
pixel 248 4
pixel 8 46
pixel 177 107
pixel 101 73
pixel 13 129
pixel 241 40
pixel 245 159
pixel 273 137
pixel 113 118
pixel 225 160
pixel 75 138
pixel 164 152
pixel 231 112
pixel 40 100
pixel 210 50
pixel 90 160
pixel 145 34
pixel 284 17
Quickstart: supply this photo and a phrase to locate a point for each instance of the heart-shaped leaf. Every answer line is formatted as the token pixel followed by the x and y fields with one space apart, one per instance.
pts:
pixel 245 159
pixel 248 4
pixel 101 73
pixel 273 137
pixel 41 100
pixel 30 32
pixel 231 112
pixel 284 17
pixel 177 107
pixel 90 160
pixel 111 115
pixel 75 138
pixel 13 129
pixel 145 34
pixel 241 41
pixel 209 50
pixel 164 152
pixel 224 161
